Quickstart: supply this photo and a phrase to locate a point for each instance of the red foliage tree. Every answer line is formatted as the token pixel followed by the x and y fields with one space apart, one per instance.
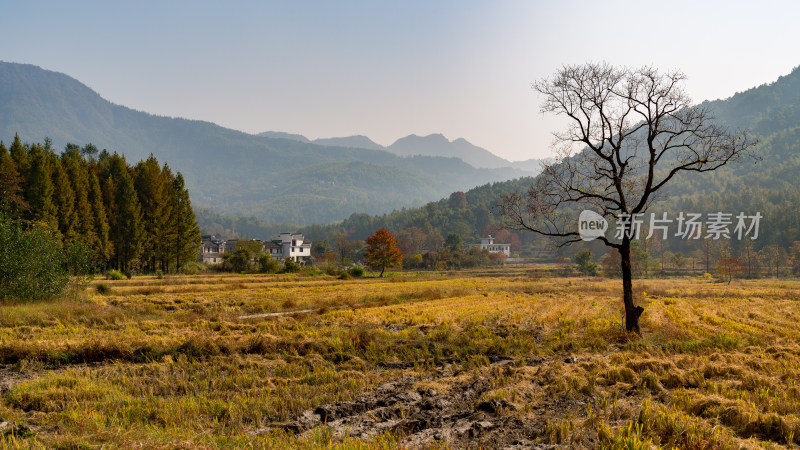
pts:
pixel 382 251
pixel 730 267
pixel 411 240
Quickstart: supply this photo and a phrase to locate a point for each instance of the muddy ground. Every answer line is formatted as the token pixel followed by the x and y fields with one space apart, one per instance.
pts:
pixel 447 406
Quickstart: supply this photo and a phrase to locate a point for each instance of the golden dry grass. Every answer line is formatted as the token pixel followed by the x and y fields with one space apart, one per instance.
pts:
pixel 171 362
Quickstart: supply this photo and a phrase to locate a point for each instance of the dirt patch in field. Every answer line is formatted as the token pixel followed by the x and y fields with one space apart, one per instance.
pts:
pixel 9 377
pixel 444 406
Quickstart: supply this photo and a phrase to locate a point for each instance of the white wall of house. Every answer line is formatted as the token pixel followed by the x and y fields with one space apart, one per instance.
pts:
pixel 290 245
pixel 489 245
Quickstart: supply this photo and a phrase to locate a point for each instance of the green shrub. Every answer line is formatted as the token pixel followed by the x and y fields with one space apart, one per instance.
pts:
pixel 585 262
pixel 114 274
pixel 237 261
pixel 356 271
pixel 268 265
pixel 310 271
pixel 32 266
pixel 103 288
pixel 289 266
pixel 159 274
pixel 192 268
pixel 80 263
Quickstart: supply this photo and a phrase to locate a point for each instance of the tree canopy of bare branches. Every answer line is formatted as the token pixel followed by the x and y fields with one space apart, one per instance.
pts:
pixel 630 132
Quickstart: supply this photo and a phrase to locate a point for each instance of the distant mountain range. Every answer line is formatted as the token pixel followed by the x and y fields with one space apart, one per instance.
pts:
pixel 276 177
pixel 431 145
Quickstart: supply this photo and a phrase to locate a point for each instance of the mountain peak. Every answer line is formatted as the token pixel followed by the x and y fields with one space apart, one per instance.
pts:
pixel 438 145
pixel 357 141
pixel 282 135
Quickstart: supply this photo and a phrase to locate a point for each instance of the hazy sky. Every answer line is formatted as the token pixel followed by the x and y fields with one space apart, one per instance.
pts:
pixel 389 69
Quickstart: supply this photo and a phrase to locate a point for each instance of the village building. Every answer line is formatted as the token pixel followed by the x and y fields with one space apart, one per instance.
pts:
pixel 288 245
pixel 211 250
pixel 489 245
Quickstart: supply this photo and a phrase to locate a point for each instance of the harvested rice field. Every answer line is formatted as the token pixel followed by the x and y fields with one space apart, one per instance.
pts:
pixel 493 359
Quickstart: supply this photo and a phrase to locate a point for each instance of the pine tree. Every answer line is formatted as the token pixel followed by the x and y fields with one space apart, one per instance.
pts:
pixel 11 199
pixel 78 173
pixel 169 251
pixel 39 187
pixel 125 230
pixel 20 156
pixel 154 195
pixel 64 199
pixel 109 196
pixel 187 237
pixel 103 247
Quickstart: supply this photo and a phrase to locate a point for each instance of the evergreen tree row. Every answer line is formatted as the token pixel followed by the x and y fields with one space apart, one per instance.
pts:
pixel 133 218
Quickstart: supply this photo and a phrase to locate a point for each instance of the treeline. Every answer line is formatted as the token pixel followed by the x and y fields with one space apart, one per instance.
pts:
pixel 420 251
pixel 131 218
pixel 233 227
pixel 465 214
pixel 712 258
pixel 438 227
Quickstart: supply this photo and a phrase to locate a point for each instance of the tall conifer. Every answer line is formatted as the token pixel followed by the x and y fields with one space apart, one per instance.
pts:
pixel 20 156
pixel 154 195
pixel 64 199
pixel 103 249
pixel 11 200
pixel 39 187
pixel 187 237
pixel 126 229
pixel 78 172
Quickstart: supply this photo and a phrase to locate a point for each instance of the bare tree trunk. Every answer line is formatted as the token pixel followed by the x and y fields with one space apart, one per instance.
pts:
pixel 632 312
pixel 383 268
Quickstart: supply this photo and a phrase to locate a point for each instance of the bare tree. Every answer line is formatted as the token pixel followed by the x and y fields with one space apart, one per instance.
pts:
pixel 631 132
pixel 775 256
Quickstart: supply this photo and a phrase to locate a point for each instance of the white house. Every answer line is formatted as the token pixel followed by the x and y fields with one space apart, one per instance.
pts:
pixel 488 244
pixel 290 245
pixel 211 250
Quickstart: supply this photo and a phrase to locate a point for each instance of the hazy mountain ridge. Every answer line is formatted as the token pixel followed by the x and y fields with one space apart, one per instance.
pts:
pixel 431 145
pixel 358 141
pixel 283 135
pixel 227 170
pixel 438 145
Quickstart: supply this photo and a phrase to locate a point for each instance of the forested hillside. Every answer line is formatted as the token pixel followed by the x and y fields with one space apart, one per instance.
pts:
pixel 130 218
pixel 275 177
pixel 770 184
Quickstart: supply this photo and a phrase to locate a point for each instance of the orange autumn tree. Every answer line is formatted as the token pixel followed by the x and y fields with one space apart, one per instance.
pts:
pixel 382 251
pixel 730 267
